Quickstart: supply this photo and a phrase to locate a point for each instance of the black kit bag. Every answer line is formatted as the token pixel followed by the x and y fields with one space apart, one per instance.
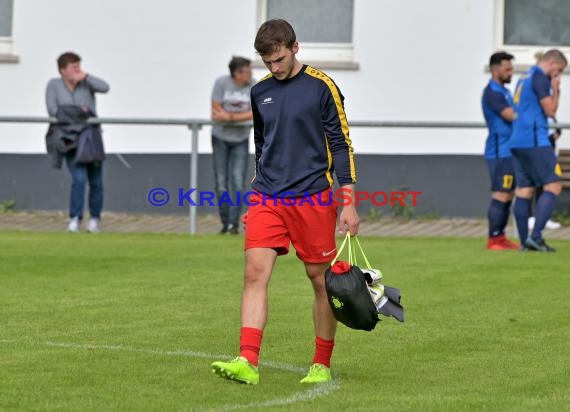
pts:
pixel 356 296
pixel 90 147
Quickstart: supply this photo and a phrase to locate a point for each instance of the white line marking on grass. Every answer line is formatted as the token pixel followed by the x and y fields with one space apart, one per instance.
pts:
pixel 314 392
pixel 191 354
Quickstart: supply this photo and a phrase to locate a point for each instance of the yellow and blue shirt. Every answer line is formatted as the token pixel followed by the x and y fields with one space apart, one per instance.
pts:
pixel 497 98
pixel 530 128
pixel 301 135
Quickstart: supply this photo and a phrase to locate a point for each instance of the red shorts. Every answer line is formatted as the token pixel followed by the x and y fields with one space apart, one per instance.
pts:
pixel 309 223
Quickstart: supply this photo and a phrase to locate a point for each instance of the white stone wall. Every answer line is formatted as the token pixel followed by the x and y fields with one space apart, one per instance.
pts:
pixel 419 60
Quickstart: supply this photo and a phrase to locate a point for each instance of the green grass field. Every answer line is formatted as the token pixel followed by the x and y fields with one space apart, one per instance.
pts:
pixel 131 322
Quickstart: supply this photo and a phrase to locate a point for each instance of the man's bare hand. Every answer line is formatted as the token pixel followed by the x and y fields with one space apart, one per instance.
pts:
pixel 555 82
pixel 220 115
pixel 79 76
pixel 349 220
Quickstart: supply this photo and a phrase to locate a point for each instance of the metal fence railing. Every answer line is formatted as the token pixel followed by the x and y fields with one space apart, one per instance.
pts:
pixel 196 124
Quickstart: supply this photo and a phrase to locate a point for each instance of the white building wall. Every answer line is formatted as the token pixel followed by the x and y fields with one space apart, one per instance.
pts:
pixel 419 60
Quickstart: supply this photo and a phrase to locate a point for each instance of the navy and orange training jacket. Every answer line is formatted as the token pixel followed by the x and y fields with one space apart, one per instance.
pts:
pixel 301 135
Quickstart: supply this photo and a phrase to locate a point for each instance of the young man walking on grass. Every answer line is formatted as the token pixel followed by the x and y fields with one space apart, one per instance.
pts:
pixel 301 137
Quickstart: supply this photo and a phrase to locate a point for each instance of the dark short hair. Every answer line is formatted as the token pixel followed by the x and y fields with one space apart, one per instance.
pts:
pixel 497 58
pixel 237 63
pixel 272 34
pixel 556 55
pixel 67 58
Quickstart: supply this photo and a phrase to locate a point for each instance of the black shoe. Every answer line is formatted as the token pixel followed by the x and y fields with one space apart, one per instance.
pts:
pixel 234 230
pixel 224 230
pixel 539 246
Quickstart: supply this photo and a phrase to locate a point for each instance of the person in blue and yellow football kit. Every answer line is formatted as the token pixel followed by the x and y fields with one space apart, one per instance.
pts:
pixel 536 99
pixel 499 114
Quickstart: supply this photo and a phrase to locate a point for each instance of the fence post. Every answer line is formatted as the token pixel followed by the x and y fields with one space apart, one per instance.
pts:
pixel 195 127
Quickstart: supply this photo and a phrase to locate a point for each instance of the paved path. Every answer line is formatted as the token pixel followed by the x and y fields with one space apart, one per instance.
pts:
pixel 44 221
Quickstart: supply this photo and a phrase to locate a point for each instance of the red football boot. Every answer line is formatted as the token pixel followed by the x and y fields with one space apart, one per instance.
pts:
pixel 501 243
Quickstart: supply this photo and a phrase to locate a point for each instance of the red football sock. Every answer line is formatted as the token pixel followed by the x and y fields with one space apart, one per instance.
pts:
pixel 323 351
pixel 250 343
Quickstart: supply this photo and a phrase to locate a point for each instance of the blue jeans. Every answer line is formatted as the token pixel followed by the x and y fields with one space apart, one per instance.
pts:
pixel 82 173
pixel 230 167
